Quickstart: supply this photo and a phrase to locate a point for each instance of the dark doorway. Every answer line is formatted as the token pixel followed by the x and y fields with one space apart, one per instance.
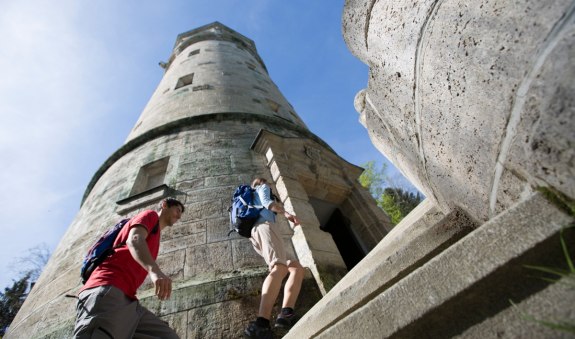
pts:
pixel 339 228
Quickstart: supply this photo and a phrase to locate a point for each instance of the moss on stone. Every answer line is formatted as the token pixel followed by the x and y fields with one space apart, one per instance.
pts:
pixel 558 199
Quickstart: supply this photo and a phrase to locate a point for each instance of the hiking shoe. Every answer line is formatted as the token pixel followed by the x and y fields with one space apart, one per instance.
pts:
pixel 255 331
pixel 286 320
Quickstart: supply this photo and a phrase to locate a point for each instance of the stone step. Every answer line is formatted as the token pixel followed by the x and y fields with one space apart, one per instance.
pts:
pixel 453 293
pixel 417 239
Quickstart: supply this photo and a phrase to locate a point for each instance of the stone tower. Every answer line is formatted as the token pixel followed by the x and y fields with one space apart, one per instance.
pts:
pixel 215 120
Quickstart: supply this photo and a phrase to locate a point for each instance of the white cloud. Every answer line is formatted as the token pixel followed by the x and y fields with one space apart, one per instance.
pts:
pixel 41 115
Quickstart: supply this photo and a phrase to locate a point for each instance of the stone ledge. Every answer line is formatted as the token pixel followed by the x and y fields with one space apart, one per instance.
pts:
pixel 145 198
pixel 242 284
pixel 425 233
pixel 467 283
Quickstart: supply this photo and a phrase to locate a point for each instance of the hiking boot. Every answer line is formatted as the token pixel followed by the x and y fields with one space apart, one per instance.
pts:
pixel 286 321
pixel 256 331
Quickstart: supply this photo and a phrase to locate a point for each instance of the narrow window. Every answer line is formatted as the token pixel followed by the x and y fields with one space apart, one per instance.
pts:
pixel 185 80
pixel 194 52
pixel 150 176
pixel 273 105
pixel 260 89
pixel 202 88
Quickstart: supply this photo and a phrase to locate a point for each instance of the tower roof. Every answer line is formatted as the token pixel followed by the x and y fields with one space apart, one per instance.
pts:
pixel 214 31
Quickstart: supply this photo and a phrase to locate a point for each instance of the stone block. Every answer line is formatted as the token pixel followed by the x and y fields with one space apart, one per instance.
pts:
pixel 183 297
pixel 247 284
pixel 214 321
pixel 295 191
pixel 319 240
pixel 224 180
pixel 218 229
pixel 58 315
pixel 208 261
pixel 179 322
pixel 172 264
pixel 244 255
pixel 184 228
pixel 182 242
pixel 204 210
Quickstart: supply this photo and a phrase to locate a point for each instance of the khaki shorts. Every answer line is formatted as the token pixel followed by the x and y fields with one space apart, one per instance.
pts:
pixel 268 243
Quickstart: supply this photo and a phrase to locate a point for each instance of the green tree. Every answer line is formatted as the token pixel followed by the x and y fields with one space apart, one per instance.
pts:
pixel 389 206
pixel 396 202
pixel 11 301
pixel 373 179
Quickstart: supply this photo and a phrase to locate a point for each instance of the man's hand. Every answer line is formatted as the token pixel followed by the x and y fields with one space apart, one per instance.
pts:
pixel 292 218
pixel 162 283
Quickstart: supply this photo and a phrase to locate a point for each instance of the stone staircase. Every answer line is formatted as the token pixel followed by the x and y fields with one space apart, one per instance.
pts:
pixel 441 276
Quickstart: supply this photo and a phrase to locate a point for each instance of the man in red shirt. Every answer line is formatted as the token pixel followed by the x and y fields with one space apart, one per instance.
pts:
pixel 107 305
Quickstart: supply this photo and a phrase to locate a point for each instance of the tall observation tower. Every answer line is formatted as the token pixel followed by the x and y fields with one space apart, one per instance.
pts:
pixel 215 120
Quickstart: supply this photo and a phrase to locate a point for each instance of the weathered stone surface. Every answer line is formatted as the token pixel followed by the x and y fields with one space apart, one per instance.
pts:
pixel 454 290
pixel 172 263
pixel 554 304
pixel 458 92
pixel 244 255
pixel 424 233
pixel 214 321
pixel 179 322
pixel 208 260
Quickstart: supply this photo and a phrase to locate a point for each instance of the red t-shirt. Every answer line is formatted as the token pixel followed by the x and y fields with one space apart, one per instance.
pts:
pixel 121 270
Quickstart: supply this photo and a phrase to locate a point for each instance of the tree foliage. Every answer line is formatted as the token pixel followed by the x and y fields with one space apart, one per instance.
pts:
pixel 11 300
pixel 396 202
pixel 373 179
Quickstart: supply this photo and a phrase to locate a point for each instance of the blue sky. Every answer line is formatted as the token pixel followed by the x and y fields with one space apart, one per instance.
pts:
pixel 77 74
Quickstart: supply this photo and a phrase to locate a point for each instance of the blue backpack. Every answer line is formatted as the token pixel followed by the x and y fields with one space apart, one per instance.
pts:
pixel 102 249
pixel 243 212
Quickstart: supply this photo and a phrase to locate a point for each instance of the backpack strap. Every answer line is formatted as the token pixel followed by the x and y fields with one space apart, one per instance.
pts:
pixel 156 227
pixel 250 206
pixel 154 231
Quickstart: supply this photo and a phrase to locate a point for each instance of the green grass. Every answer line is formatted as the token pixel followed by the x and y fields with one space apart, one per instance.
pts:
pixel 564 276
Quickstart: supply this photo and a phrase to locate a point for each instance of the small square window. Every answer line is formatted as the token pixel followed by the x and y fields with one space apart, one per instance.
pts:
pixel 150 176
pixel 273 105
pixel 185 81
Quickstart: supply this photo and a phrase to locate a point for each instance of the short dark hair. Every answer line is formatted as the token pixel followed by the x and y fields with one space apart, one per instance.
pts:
pixel 258 181
pixel 171 202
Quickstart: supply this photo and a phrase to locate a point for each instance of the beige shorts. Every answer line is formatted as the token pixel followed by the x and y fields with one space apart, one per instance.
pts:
pixel 268 243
